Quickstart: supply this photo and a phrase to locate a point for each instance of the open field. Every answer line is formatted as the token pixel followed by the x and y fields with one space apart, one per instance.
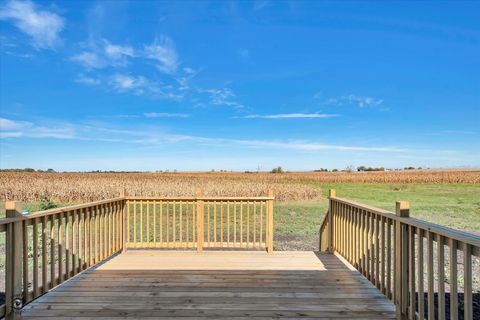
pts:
pixel 295 186
pixel 450 197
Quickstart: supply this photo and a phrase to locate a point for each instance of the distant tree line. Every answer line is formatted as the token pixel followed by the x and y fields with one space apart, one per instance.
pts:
pixel 278 169
pixel 364 168
pixel 26 170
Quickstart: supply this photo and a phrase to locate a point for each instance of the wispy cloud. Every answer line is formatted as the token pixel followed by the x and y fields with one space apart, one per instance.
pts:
pixel 18 129
pixel 352 99
pixel 314 146
pixel 123 82
pixel 118 53
pixel 260 4
pixel 291 116
pixel 458 132
pixel 152 137
pixel 90 60
pixel 42 26
pixel 223 97
pixel 140 85
pixel 165 115
pixel 87 80
pixel 104 54
pixel 162 50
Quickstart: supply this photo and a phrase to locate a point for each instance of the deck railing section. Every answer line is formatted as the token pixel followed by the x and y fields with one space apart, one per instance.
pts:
pixel 200 222
pixel 45 248
pixel 412 262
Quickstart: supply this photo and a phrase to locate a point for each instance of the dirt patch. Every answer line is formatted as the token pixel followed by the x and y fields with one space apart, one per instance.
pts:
pixel 294 242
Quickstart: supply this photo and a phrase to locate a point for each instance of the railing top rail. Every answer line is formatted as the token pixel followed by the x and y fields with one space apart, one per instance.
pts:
pixel 70 208
pixel 454 234
pixel 4 221
pixel 366 207
pixel 205 198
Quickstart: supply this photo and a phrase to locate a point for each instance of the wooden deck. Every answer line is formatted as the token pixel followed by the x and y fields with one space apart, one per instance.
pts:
pixel 150 284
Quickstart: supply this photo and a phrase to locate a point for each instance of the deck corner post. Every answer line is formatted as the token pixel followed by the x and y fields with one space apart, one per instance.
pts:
pixel 402 210
pixel 200 216
pixel 332 194
pixel 13 266
pixel 123 193
pixel 270 222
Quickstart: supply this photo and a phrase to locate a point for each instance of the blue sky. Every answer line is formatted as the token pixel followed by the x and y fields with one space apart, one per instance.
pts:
pixel 202 85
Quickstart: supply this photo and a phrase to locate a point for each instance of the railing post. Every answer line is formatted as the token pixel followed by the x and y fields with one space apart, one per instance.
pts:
pixel 270 222
pixel 123 194
pixel 402 210
pixel 13 266
pixel 331 196
pixel 200 224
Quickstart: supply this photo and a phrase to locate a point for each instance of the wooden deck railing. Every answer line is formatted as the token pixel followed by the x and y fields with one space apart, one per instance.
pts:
pixel 407 259
pixel 200 222
pixel 44 249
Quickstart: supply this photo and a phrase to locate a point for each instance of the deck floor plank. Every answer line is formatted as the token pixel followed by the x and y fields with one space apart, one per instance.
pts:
pixel 151 284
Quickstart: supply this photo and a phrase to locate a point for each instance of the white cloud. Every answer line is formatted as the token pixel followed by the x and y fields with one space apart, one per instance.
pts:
pixel 165 115
pixel 103 55
pixel 7 124
pixel 118 54
pixel 140 85
pixel 352 99
pixel 162 50
pixel 88 80
pixel 42 26
pixel 155 137
pixel 123 82
pixel 260 4
pixel 313 146
pixel 291 116
pixel 223 96
pixel 90 60
pixel 16 129
pixel 189 71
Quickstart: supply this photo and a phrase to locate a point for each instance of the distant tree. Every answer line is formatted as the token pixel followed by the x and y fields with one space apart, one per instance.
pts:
pixel 349 169
pixel 277 170
pixel 335 170
pixel 364 168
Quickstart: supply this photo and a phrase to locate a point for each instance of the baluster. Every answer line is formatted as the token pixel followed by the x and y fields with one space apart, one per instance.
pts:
pixel 467 278
pixel 421 292
pixel 441 277
pixel 453 280
pixel 36 291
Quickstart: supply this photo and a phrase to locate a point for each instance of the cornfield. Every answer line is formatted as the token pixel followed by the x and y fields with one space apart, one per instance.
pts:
pixel 81 187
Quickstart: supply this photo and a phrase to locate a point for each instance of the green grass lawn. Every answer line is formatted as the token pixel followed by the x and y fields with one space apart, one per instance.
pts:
pixel 452 205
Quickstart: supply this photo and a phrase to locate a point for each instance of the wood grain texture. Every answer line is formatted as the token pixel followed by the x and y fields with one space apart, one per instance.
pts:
pixel 215 284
